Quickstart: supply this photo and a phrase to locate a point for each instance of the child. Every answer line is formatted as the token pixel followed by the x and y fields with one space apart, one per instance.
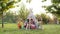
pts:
pixel 26 25
pixel 20 24
pixel 32 25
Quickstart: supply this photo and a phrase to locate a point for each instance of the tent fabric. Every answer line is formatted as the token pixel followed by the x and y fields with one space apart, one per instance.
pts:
pixel 31 16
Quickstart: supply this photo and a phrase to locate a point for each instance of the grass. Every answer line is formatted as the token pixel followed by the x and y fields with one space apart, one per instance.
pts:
pixel 13 29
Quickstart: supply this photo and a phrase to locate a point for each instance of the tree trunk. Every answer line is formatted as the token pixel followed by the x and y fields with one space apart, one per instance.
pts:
pixel 2 20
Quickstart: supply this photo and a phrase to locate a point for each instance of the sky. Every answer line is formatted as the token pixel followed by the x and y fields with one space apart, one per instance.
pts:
pixel 35 5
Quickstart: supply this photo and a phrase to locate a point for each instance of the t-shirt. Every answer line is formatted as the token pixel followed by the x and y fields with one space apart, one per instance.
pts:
pixel 21 23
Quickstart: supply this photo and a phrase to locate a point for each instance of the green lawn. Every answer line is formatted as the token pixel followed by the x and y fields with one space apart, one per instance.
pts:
pixel 13 29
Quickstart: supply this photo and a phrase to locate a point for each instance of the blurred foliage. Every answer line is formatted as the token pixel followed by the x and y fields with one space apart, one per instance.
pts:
pixel 54 8
pixel 43 17
pixel 23 12
pixel 5 5
pixel 10 17
pixel 28 1
pixel 43 0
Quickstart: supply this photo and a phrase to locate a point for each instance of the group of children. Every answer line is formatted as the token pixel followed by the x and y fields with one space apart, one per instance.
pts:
pixel 29 24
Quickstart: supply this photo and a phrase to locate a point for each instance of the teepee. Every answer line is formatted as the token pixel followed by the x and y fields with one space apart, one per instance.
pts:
pixel 31 16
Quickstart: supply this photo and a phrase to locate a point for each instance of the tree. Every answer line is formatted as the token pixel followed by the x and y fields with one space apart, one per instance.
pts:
pixel 54 8
pixel 23 12
pixel 4 6
pixel 45 18
pixel 10 17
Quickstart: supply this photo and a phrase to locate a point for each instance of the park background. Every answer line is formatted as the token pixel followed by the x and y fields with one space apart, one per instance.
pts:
pixel 48 11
